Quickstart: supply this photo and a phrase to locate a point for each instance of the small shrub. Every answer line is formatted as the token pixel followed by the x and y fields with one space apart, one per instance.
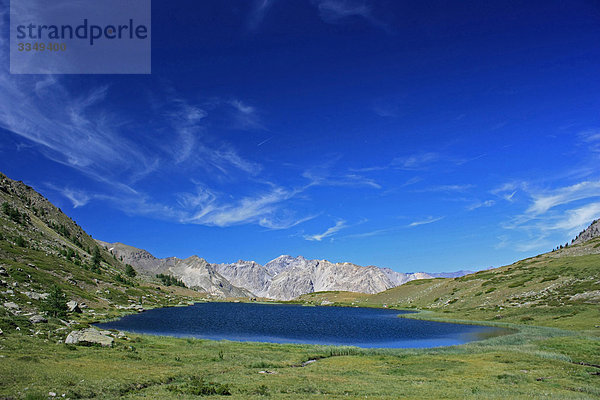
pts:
pixel 199 387
pixel 35 396
pixel 549 278
pixel 11 212
pixel 262 390
pixel 21 242
pixel 169 280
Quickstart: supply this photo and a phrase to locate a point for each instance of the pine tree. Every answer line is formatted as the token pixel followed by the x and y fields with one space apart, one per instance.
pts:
pixel 96 257
pixel 129 271
pixel 56 303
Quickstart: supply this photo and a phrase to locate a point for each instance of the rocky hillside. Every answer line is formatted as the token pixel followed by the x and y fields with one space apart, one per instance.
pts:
pixel 592 232
pixel 283 278
pixel 43 251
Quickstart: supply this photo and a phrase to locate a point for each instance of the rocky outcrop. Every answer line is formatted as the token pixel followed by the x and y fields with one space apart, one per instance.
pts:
pixel 90 336
pixel 281 263
pixel 139 258
pixel 247 275
pixel 399 278
pixel 592 232
pixel 296 279
pixel 198 274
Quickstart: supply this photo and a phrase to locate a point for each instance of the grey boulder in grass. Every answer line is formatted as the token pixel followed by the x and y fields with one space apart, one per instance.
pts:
pixel 88 337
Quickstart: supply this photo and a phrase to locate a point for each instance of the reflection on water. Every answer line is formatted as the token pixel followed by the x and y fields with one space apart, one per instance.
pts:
pixel 278 323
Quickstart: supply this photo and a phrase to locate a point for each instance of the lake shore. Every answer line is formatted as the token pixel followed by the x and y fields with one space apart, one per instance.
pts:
pixel 527 364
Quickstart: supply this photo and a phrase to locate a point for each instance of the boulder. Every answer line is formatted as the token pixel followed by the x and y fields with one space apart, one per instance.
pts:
pixel 36 296
pixel 37 319
pixel 73 306
pixel 11 306
pixel 3 272
pixel 89 336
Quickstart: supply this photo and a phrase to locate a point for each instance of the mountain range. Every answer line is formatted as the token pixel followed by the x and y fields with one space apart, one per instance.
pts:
pixel 283 278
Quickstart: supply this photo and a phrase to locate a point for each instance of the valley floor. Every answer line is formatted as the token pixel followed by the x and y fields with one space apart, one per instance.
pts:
pixel 535 362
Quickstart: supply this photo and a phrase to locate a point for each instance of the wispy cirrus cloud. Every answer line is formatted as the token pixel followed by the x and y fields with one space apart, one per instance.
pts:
pixel 259 10
pixel 428 220
pixel 337 11
pixel 416 161
pixel 481 204
pixel 78 198
pixel 548 199
pixel 339 225
pixel 447 188
pixel 84 132
pixel 372 233
pixel 245 116
pixel 260 209
pixel 322 175
pixel 507 191
pixel 591 139
pixel 576 218
pixel 420 161
pixel 555 214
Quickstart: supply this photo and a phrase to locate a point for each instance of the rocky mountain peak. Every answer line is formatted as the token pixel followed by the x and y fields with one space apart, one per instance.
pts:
pixel 591 232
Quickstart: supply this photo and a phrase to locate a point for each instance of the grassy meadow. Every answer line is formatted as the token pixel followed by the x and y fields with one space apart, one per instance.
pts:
pixel 534 362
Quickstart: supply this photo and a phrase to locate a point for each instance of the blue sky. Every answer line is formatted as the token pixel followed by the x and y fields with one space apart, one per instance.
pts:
pixel 420 136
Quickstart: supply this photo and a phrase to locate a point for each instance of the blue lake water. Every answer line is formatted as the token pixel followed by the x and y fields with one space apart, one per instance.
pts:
pixel 283 323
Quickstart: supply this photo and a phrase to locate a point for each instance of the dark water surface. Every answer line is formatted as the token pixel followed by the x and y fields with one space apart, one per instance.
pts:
pixel 283 323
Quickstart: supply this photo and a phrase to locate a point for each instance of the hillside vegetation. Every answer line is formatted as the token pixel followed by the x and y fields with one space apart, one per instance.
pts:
pixel 42 249
pixel 560 289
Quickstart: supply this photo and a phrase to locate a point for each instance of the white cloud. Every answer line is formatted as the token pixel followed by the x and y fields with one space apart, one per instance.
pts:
pixel 447 188
pixel 339 225
pixel 417 161
pixel 546 200
pixel 78 198
pixel 258 13
pixel 376 232
pixel 591 137
pixel 487 203
pixel 534 244
pixel 337 11
pixel 549 219
pixel 429 220
pixel 321 176
pixel 508 190
pixel 251 209
pixel 576 219
pixel 245 116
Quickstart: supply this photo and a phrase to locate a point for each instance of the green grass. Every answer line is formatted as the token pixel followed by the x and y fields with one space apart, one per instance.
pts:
pixel 532 363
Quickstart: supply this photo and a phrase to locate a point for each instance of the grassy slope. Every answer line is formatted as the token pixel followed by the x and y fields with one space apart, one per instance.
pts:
pixel 536 362
pixel 559 289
